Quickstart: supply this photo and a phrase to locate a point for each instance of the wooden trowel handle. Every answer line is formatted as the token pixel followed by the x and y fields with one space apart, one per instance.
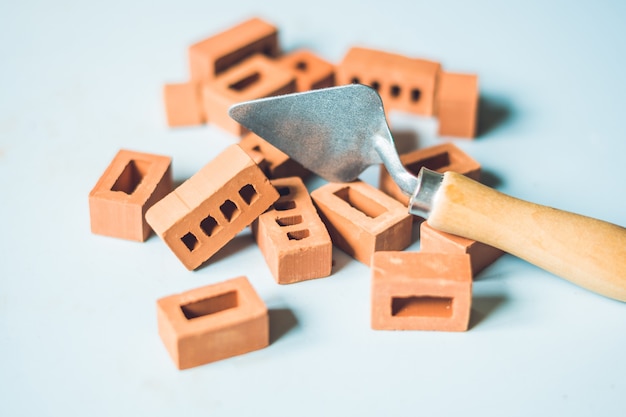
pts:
pixel 585 251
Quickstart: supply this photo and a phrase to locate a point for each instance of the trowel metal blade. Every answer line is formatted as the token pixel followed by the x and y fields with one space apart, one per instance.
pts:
pixel 329 131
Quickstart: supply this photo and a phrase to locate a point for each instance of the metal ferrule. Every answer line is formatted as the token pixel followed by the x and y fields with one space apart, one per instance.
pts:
pixel 428 183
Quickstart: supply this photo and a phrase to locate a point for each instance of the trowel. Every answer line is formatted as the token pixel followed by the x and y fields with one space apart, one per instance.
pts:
pixel 338 132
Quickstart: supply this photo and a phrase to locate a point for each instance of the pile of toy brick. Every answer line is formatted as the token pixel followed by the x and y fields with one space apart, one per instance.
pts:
pixel 254 184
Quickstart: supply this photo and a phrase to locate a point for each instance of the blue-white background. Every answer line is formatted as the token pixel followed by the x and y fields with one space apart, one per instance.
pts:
pixel 81 79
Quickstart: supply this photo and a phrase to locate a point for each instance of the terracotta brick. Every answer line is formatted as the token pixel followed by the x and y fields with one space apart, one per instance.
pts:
pixel 214 55
pixel 434 241
pixel 183 104
pixel 441 158
pixel 457 104
pixel 214 322
pixel 274 162
pixel 292 237
pixel 210 208
pixel 362 219
pixel 253 78
pixel 404 83
pixel 311 71
pixel 130 185
pixel 421 291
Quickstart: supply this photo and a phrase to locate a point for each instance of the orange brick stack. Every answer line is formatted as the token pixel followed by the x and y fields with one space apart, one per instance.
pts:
pixel 362 219
pixel 404 83
pixel 130 185
pixel 456 104
pixel 311 71
pixel 253 78
pixel 274 162
pixel 292 237
pixel 254 183
pixel 434 241
pixel 419 291
pixel 214 322
pixel 417 86
pixel 183 104
pixel 242 63
pixel 441 158
pixel 205 212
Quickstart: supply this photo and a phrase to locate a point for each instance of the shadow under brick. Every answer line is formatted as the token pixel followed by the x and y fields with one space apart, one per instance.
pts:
pixel 492 112
pixel 405 140
pixel 490 178
pixel 483 306
pixel 282 320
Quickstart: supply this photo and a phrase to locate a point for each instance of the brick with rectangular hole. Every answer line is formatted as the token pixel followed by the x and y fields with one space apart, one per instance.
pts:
pixel 421 291
pixel 183 104
pixel 274 162
pixel 216 54
pixel 456 104
pixel 362 219
pixel 311 71
pixel 129 186
pixel 208 210
pixel 212 323
pixel 292 237
pixel 434 241
pixel 441 158
pixel 256 77
pixel 404 83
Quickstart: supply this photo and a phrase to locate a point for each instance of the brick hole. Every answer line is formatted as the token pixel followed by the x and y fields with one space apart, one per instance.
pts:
pixel 435 162
pixel 210 305
pixel 360 202
pixel 298 234
pixel 416 94
pixel 229 210
pixel 245 82
pixel 283 191
pixel 190 241
pixel 395 90
pixel 248 194
pixel 227 61
pixel 289 220
pixel 302 66
pixel 375 85
pixel 209 226
pixel 425 306
pixel 355 80
pixel 284 205
pixel 256 148
pixel 131 176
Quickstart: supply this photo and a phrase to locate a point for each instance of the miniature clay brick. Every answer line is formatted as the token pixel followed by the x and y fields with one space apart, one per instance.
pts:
pixel 405 84
pixel 457 104
pixel 256 77
pixel 292 237
pixel 214 322
pixel 312 72
pixel 362 219
pixel 274 162
pixel 183 104
pixel 216 54
pixel 210 208
pixel 130 185
pixel 481 255
pixel 441 158
pixel 421 291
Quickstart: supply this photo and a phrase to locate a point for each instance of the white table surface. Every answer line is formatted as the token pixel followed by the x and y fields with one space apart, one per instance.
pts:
pixel 78 336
